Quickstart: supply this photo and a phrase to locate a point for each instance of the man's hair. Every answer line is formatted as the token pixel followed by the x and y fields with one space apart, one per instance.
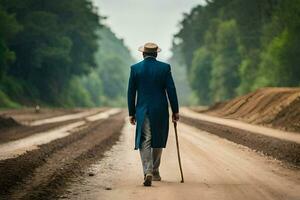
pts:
pixel 154 54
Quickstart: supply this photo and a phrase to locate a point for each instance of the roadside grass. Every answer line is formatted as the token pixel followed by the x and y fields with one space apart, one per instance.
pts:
pixel 6 102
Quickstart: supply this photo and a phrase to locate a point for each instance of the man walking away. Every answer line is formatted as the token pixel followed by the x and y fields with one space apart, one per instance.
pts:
pixel 149 88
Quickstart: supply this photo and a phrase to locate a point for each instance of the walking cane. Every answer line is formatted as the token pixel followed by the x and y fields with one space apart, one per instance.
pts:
pixel 178 153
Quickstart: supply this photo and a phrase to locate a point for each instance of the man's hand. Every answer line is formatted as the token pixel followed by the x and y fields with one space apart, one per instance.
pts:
pixel 175 117
pixel 132 120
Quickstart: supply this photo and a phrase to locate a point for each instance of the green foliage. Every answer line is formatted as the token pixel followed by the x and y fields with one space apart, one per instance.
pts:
pixel 93 84
pixel 12 87
pixel 280 56
pixel 200 75
pixel 224 73
pixel 58 41
pixel 190 36
pixel 57 53
pixel 248 71
pixel 9 27
pixel 75 95
pixel 6 102
pixel 231 47
pixel 272 72
pixel 108 82
pixel 179 72
pixel 113 83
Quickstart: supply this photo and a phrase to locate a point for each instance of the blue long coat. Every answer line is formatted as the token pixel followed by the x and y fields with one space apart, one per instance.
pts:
pixel 151 81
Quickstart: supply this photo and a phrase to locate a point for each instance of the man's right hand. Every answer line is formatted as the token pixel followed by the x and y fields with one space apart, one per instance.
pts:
pixel 132 120
pixel 175 117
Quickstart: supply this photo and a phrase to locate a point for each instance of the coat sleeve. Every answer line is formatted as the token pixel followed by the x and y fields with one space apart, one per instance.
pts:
pixel 171 91
pixel 131 93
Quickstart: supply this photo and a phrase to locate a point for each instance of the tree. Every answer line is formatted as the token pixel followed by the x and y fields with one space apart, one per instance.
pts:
pixel 244 44
pixel 107 83
pixel 9 28
pixel 63 55
pixel 280 56
pixel 224 75
pixel 200 75
pixel 58 42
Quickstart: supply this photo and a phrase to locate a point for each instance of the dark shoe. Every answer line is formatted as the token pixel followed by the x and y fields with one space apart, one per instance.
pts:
pixel 148 180
pixel 156 176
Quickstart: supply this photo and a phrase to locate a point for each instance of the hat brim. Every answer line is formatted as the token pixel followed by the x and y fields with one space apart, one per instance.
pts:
pixel 142 49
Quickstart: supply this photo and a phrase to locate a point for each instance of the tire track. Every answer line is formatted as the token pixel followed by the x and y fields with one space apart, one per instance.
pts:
pixel 47 169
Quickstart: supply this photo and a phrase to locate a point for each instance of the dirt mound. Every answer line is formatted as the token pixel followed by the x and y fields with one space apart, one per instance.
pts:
pixel 274 107
pixel 7 122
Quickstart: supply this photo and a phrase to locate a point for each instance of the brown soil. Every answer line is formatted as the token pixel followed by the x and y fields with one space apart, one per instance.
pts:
pixel 213 169
pixel 283 150
pixel 12 129
pixel 8 122
pixel 17 132
pixel 29 114
pixel 42 173
pixel 273 107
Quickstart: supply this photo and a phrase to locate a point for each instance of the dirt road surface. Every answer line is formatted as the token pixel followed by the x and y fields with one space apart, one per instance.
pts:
pixel 61 157
pixel 18 147
pixel 214 168
pixel 38 164
pixel 271 132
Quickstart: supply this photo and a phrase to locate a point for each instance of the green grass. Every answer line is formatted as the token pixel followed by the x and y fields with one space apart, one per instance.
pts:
pixel 6 102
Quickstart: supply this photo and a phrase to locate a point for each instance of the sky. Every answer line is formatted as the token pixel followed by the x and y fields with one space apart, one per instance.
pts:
pixel 141 21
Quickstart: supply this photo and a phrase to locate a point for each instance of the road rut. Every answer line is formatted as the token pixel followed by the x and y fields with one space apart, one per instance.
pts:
pixel 214 168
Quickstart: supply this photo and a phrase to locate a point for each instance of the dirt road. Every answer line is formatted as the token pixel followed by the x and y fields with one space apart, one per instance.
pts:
pixel 214 168
pixel 61 157
pixel 38 165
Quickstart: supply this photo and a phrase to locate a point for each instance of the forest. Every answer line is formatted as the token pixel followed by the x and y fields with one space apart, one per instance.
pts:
pixel 59 53
pixel 232 47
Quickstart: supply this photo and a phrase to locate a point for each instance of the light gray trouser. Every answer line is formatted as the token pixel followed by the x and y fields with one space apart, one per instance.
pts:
pixel 150 156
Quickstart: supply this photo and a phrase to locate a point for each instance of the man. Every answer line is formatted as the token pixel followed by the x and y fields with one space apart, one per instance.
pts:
pixel 152 82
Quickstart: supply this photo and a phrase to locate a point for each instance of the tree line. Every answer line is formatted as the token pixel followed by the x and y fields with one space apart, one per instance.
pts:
pixel 232 47
pixel 52 53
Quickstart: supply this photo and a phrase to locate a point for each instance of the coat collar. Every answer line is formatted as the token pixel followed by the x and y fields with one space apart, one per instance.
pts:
pixel 149 58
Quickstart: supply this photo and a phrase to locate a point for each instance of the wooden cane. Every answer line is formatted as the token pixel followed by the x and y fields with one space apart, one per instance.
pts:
pixel 178 153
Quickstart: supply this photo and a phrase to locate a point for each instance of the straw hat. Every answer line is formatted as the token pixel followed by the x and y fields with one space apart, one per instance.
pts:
pixel 150 48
